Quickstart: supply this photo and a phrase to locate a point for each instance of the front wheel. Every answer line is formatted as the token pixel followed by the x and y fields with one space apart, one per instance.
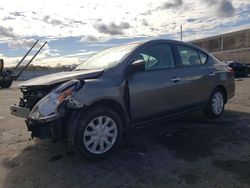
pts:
pixel 216 104
pixel 99 132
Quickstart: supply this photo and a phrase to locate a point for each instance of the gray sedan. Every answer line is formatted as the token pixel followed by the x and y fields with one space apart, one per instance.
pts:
pixel 122 88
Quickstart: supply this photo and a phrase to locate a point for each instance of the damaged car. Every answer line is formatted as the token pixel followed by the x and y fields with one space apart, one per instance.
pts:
pixel 122 88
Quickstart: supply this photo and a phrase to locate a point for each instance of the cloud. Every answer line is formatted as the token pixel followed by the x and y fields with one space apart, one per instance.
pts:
pixel 14 40
pixel 73 21
pixel 47 19
pixel 78 22
pixel 171 4
pixel 112 28
pixel 8 18
pixel 17 14
pixel 48 52
pixel 93 39
pixel 144 22
pixel 226 9
pixel 89 38
pixel 222 8
pixel 98 20
pixel 210 2
pixel 25 43
pixel 7 32
pixel 21 43
pixel 191 20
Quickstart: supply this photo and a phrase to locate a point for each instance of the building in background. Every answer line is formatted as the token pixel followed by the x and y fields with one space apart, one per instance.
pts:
pixel 230 46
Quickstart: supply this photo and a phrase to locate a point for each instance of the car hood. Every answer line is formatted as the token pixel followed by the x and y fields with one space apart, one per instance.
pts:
pixel 61 77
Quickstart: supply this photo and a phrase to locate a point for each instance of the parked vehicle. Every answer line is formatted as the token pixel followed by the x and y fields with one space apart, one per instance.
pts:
pixel 5 81
pixel 240 69
pixel 122 88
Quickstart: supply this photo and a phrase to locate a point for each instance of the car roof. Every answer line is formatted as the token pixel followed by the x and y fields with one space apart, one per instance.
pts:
pixel 155 41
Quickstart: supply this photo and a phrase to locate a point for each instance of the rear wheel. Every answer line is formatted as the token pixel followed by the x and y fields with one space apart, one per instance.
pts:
pixel 99 132
pixel 215 106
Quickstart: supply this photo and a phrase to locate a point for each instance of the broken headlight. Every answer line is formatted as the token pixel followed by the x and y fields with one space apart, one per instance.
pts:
pixel 52 105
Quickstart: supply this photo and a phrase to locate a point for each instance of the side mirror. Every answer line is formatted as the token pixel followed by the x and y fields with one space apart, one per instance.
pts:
pixel 1 65
pixel 138 65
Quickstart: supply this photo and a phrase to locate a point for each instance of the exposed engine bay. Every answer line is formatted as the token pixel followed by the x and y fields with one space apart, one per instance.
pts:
pixel 31 95
pixel 45 108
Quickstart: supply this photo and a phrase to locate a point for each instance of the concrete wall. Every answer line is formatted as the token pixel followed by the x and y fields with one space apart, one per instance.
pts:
pixel 237 55
pixel 230 46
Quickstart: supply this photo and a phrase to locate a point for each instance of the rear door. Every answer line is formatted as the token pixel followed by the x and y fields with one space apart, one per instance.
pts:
pixel 158 88
pixel 198 72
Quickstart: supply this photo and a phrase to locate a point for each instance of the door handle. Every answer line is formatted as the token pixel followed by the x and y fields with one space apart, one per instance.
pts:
pixel 175 79
pixel 211 74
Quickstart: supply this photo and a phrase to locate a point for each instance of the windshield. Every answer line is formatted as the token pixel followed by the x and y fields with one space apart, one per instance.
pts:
pixel 107 58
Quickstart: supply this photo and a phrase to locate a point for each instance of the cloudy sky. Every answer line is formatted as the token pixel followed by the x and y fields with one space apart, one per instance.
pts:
pixel 77 29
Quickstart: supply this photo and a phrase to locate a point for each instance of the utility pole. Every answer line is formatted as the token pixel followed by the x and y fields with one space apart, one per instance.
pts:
pixel 181 32
pixel 248 38
pixel 222 43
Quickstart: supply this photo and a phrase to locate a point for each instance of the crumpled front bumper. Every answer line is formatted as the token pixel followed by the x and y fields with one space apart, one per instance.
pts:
pixel 25 112
pixel 53 129
pixel 50 127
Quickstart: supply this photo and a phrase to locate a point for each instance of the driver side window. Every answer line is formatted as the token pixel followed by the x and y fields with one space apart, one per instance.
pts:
pixel 157 56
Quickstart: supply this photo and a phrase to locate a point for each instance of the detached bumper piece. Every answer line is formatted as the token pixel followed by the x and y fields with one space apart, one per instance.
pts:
pixel 55 130
pixel 19 111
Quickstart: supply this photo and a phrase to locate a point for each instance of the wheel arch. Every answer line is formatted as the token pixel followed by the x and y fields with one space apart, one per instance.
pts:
pixel 114 105
pixel 75 116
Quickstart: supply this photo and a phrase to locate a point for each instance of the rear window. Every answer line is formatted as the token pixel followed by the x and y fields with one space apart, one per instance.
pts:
pixel 191 56
pixel 203 57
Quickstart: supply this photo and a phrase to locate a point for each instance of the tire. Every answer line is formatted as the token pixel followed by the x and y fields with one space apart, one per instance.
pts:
pixel 6 83
pixel 102 125
pixel 216 104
